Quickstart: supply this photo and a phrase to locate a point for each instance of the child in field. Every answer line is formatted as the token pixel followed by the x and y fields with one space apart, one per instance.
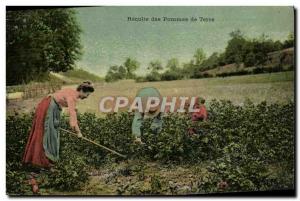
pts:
pixel 200 115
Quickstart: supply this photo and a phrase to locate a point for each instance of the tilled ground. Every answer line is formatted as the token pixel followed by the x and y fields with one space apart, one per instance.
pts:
pixel 142 178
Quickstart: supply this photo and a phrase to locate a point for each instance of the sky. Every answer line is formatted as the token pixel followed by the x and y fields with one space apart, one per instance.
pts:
pixel 108 38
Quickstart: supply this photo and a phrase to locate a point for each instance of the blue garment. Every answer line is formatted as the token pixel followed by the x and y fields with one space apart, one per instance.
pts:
pixel 156 124
pixel 51 133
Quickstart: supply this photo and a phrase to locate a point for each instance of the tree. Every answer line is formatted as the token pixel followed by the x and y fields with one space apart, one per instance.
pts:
pixel 235 48
pixel 250 59
pixel 278 45
pixel 155 66
pixel 116 73
pixel 122 72
pixel 173 64
pixel 289 42
pixel 174 71
pixel 221 60
pixel 211 61
pixel 131 65
pixel 188 69
pixel 40 41
pixel 125 71
pixel 199 56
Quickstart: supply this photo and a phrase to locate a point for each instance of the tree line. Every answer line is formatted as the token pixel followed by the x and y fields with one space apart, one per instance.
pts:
pixel 239 50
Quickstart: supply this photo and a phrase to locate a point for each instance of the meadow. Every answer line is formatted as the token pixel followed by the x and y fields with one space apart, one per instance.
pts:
pixel 271 87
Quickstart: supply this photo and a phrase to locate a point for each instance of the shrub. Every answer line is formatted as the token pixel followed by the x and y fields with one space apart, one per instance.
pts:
pixel 153 77
pixel 140 79
pixel 171 75
pixel 258 70
pixel 234 73
pixel 70 174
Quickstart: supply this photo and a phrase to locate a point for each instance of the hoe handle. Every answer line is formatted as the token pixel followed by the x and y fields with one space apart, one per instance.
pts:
pixel 95 143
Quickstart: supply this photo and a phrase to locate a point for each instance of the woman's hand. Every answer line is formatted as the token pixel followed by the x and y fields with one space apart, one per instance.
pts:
pixel 77 130
pixel 73 128
pixel 79 134
pixel 138 141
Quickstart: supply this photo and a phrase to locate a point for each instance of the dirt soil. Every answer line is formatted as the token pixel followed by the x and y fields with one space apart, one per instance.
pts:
pixel 135 177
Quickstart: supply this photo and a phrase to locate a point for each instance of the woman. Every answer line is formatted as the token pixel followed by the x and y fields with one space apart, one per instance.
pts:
pixel 42 148
pixel 154 114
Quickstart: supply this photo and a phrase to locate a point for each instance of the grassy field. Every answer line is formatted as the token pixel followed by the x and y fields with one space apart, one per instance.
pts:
pixel 274 87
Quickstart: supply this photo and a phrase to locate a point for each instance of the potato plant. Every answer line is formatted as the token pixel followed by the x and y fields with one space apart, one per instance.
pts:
pixel 248 147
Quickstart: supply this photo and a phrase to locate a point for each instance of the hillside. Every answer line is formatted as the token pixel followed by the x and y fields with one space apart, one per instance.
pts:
pixel 76 75
pixel 284 59
pixel 49 84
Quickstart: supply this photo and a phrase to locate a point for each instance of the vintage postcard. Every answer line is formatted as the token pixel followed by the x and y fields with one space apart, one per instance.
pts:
pixel 144 101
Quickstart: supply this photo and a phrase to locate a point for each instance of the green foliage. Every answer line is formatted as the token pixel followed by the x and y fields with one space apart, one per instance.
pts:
pixel 255 139
pixel 211 62
pixel 173 64
pixel 172 75
pixel 234 50
pixel 140 79
pixel 189 69
pixel 202 75
pixel 113 131
pixel 240 50
pixel 289 42
pixel 155 66
pixel 70 174
pixel 173 72
pixel 234 73
pixel 251 52
pixel 17 130
pixel 115 73
pixel 131 65
pixel 153 77
pixel 256 70
pixel 40 41
pixel 243 145
pixel 16 136
pixel 125 71
pixel 199 56
pixel 250 59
